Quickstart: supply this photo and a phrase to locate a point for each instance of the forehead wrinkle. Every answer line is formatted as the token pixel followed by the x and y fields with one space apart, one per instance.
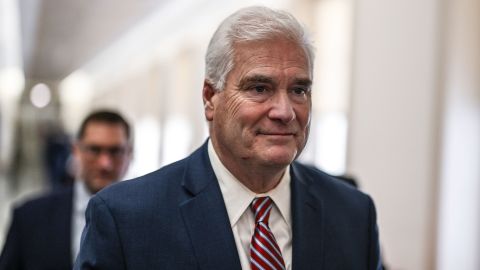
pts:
pixel 267 71
pixel 262 58
pixel 270 78
pixel 255 58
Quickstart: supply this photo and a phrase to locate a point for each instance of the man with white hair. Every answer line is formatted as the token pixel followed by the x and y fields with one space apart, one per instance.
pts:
pixel 240 201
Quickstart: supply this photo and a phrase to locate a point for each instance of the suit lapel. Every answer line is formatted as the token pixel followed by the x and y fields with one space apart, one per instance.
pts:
pixel 206 217
pixel 307 243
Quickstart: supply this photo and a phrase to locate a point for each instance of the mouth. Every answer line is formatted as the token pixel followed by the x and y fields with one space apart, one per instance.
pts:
pixel 275 134
pixel 104 175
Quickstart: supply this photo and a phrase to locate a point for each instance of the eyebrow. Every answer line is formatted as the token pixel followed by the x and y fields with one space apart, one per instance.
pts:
pixel 265 79
pixel 304 82
pixel 244 82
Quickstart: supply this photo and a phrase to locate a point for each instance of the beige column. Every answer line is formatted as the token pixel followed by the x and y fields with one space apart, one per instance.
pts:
pixel 393 123
pixel 459 215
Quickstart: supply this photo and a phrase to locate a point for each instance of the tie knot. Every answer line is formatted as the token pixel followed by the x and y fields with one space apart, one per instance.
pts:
pixel 261 207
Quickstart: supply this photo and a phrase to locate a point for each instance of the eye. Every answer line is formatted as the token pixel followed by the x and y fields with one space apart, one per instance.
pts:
pixel 260 88
pixel 300 90
pixel 91 150
pixel 117 151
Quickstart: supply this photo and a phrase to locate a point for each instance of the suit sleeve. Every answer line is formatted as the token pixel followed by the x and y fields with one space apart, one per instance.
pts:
pixel 100 246
pixel 374 246
pixel 11 254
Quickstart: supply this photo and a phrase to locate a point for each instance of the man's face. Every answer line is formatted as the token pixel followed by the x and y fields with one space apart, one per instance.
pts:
pixel 263 114
pixel 103 155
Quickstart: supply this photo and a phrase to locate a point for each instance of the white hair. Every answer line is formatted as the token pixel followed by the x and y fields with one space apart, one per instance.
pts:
pixel 254 23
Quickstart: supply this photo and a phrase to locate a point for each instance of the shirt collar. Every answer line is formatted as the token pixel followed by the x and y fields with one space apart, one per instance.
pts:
pixel 81 196
pixel 238 197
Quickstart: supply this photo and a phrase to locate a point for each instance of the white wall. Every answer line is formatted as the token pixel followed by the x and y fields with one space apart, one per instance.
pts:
pixel 394 123
pixel 459 215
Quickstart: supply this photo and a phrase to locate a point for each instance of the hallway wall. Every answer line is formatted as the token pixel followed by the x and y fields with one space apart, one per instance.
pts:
pixel 394 118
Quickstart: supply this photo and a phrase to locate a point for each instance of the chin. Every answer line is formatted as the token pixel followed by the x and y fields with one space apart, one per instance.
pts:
pixel 103 184
pixel 282 160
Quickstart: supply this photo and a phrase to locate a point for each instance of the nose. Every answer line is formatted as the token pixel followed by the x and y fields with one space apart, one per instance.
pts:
pixel 282 108
pixel 105 161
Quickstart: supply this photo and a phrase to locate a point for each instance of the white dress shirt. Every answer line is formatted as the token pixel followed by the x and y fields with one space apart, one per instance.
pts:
pixel 238 198
pixel 81 196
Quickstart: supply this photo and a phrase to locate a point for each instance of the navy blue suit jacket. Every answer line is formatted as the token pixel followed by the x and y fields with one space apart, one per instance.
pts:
pixel 175 218
pixel 40 234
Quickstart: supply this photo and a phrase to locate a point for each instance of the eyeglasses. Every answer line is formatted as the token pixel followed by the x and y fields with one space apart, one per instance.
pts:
pixel 94 151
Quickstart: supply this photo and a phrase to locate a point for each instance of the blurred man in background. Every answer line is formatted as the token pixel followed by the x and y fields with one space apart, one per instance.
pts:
pixel 45 232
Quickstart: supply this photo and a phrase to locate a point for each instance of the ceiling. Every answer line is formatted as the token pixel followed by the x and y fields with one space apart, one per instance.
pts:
pixel 59 36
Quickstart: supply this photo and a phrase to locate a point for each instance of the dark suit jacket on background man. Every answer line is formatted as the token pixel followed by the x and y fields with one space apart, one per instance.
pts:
pixel 42 224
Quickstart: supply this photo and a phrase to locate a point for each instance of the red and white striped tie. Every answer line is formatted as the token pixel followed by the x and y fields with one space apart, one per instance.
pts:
pixel 264 251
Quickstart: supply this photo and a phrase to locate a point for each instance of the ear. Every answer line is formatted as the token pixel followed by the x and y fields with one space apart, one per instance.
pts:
pixel 75 166
pixel 75 147
pixel 130 150
pixel 208 100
